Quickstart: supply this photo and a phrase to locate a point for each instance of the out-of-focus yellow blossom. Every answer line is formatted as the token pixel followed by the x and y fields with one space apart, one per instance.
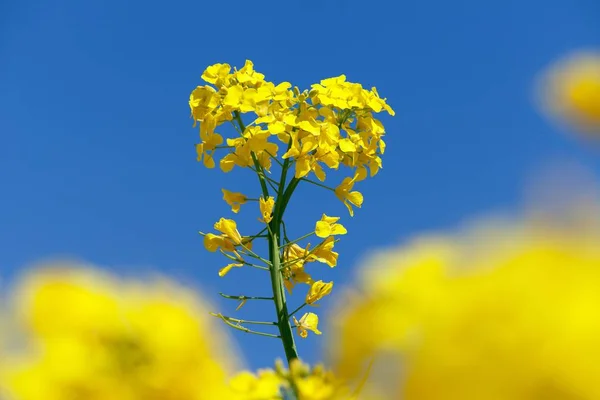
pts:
pixel 317 291
pixel 317 383
pixel 328 226
pixel 308 322
pixel 571 90
pixel 89 336
pixel 234 199
pixel 265 385
pixel 266 209
pixel 300 382
pixel 505 311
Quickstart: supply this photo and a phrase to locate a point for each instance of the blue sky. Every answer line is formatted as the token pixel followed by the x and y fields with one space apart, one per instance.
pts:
pixel 97 160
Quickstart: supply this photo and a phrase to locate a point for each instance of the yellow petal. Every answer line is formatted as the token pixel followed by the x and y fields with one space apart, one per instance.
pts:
pixel 223 271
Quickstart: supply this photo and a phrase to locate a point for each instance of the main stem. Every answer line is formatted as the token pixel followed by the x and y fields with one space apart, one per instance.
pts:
pixel 283 320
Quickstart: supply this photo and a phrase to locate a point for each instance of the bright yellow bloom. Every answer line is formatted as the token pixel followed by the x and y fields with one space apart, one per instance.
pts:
pixel 223 271
pixel 217 74
pixel 87 335
pixel 234 199
pixel 332 124
pixel 248 76
pixel 214 242
pixel 240 98
pixel 229 228
pixel 266 209
pixel 203 101
pixel 348 197
pixel 294 257
pixel 571 90
pixel 210 141
pixel 502 312
pixel 308 322
pixel 324 253
pixel 328 226
pixel 317 291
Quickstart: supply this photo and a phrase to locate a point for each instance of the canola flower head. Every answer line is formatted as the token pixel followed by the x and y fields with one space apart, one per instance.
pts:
pixel 89 335
pixel 333 124
pixel 570 90
pixel 504 310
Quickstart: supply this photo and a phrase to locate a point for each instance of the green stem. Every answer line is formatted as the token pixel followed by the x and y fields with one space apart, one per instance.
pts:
pixel 298 309
pixel 243 321
pixel 317 184
pixel 242 297
pixel 285 329
pixel 244 329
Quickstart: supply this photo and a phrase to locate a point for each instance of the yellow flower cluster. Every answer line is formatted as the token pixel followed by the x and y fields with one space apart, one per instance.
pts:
pixel 89 336
pixel 300 382
pixel 571 90
pixel 504 312
pixel 329 125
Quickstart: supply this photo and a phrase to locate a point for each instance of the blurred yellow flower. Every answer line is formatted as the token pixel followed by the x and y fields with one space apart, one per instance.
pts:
pixel 571 90
pixel 504 312
pixel 89 336
pixel 300 382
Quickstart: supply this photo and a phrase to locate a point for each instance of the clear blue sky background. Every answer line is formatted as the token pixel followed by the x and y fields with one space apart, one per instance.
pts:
pixel 97 155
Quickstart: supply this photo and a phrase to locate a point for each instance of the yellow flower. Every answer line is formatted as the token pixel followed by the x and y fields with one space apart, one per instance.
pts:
pixel 214 242
pixel 203 101
pixel 308 322
pixel 294 257
pixel 210 141
pixel 240 98
pixel 223 271
pixel 571 90
pixel 317 291
pixel 266 384
pixel 217 74
pixel 504 311
pixel 328 226
pixel 91 336
pixel 348 197
pixel 248 76
pixel 324 253
pixel 266 209
pixel 229 228
pixel 234 199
